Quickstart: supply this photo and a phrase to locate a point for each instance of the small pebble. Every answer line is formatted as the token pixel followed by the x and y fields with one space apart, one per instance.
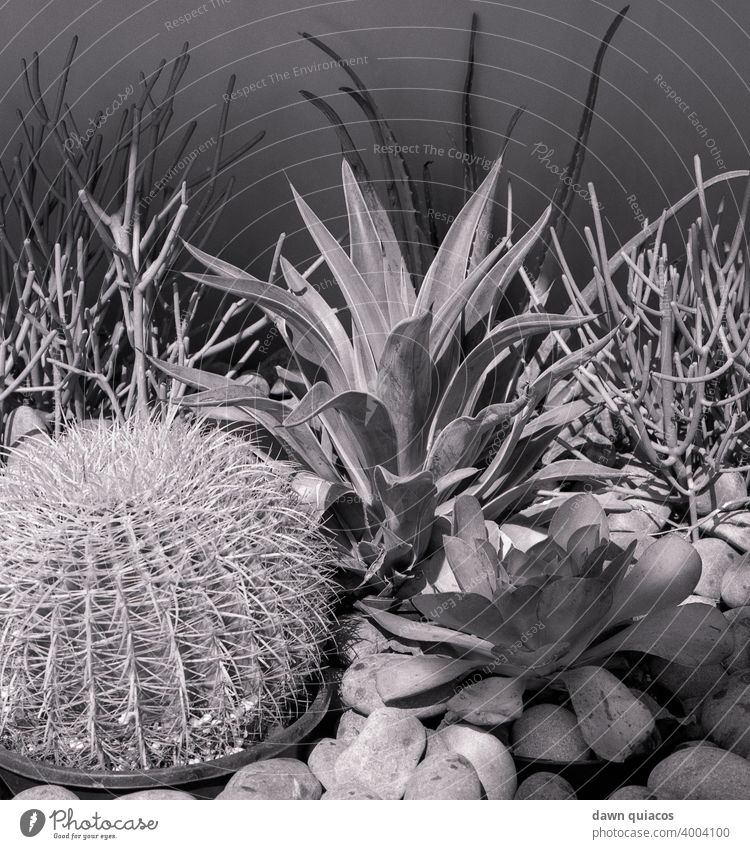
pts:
pixel 545 785
pixel 444 776
pixel 46 791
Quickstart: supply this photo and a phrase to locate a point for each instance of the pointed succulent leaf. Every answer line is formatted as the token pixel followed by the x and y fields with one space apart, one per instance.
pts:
pixel 692 635
pixel 469 613
pixel 374 249
pixel 196 377
pixel 450 265
pixel 487 296
pixel 317 493
pixel 275 301
pixel 369 322
pixel 417 674
pixel 467 380
pixel 567 365
pixel 664 575
pixel 366 416
pixel 556 418
pixel 491 701
pixel 614 722
pixel 561 470
pixel 327 321
pixel 404 385
pixel 460 442
pixel 446 482
pixel 468 519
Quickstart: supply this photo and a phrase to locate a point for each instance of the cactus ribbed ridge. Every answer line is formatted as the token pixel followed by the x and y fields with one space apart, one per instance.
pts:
pixel 163 599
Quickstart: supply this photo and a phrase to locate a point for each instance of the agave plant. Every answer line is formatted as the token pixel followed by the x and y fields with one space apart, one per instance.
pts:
pixel 533 612
pixel 392 411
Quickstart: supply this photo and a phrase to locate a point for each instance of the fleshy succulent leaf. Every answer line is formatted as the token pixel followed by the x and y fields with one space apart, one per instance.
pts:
pixel 374 249
pixel 370 325
pixel 579 512
pixel 692 635
pixel 469 613
pixel 404 385
pixel 474 570
pixel 409 505
pixel 413 675
pixel 663 576
pixel 422 632
pixel 450 265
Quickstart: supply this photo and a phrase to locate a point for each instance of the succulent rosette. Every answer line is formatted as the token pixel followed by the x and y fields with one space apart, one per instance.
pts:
pixel 571 598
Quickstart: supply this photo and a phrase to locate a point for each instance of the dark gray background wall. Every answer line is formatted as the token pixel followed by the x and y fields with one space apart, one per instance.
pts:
pixel 532 52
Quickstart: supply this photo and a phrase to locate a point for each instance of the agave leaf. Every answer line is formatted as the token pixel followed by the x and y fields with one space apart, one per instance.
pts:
pixel 235 396
pixel 277 301
pixel 458 444
pixel 368 418
pixel 561 470
pixel 469 613
pixel 468 519
pixel 491 701
pixel 196 377
pixel 556 418
pixel 474 570
pixel 404 385
pixel 374 248
pixel 536 437
pixel 445 483
pixel 370 326
pixel 418 674
pixel 327 321
pixel 466 383
pixel 448 315
pixel 665 574
pixel 403 196
pixel 692 635
pixel 486 298
pixel 613 721
pixel 449 268
pixel 421 632
pixel 567 365
pixel 409 506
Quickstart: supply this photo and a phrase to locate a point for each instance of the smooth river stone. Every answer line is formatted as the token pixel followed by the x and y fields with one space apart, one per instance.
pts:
pixel 276 778
pixel 384 755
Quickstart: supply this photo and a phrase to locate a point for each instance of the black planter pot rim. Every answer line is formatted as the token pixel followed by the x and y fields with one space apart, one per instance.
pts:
pixel 152 779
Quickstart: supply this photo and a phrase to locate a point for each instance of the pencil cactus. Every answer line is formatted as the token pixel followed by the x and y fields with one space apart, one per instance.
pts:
pixel 162 597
